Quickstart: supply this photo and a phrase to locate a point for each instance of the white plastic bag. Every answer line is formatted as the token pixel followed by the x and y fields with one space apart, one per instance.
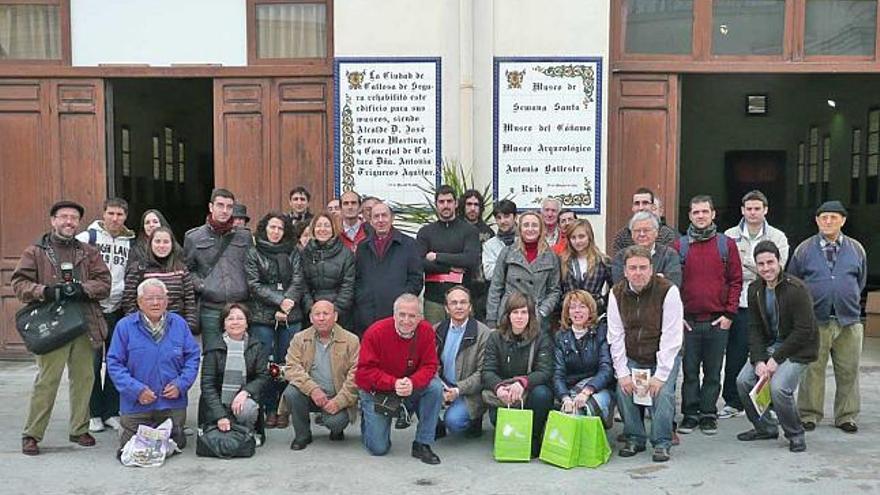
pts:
pixel 150 446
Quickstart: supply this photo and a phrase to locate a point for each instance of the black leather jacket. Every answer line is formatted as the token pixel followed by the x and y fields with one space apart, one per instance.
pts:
pixel 328 273
pixel 271 278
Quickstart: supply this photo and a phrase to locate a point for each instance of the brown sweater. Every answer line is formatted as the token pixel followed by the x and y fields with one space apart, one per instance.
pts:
pixel 178 281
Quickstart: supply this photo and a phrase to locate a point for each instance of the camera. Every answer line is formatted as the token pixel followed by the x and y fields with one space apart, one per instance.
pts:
pixel 68 289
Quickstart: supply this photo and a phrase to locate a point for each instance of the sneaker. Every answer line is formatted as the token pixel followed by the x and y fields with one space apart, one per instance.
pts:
pixel 258 440
pixel 688 424
pixel 630 449
pixel 709 426
pixel 730 412
pixel 113 422
pixel 661 454
pixel 424 453
pixel 96 425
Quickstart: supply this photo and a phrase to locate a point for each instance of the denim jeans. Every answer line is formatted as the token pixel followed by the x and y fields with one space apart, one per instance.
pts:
pixel 662 411
pixel 703 349
pixel 210 326
pixel 736 356
pixel 782 386
pixel 376 428
pixel 104 401
pixel 277 341
pixel 457 418
pixel 605 400
pixel 301 405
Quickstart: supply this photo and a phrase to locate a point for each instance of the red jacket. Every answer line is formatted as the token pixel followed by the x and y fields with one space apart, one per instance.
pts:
pixel 706 288
pixel 359 237
pixel 384 354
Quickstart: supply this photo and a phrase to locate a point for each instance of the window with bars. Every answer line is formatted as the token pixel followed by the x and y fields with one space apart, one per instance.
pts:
pixel 157 162
pixel 826 168
pixel 169 154
pixel 801 173
pixel 813 166
pixel 126 151
pixel 873 156
pixel 181 162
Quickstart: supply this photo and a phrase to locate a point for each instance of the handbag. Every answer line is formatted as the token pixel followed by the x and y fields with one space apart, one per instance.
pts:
pixel 46 326
pixel 388 403
pixel 237 442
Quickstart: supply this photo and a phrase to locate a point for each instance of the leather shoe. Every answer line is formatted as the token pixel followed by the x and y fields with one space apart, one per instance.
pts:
pixel 337 436
pixel 797 445
pixel 424 453
pixel 271 421
pixel 298 444
pixel 809 425
pixel 849 427
pixel 751 435
pixel 84 440
pixel 29 446
pixel 283 421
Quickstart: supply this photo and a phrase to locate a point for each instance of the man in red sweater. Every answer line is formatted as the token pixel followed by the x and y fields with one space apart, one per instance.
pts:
pixel 398 365
pixel 711 283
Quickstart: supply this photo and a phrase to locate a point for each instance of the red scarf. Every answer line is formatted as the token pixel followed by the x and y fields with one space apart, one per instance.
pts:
pixel 531 250
pixel 220 228
pixel 382 243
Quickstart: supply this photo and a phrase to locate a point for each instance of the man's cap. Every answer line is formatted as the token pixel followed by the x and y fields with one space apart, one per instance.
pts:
pixel 240 211
pixel 67 204
pixel 831 207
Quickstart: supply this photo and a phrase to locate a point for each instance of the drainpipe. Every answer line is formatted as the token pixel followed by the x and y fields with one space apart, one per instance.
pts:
pixel 466 83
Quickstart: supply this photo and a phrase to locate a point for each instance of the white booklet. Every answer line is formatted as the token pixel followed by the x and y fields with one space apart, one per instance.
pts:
pixel 641 396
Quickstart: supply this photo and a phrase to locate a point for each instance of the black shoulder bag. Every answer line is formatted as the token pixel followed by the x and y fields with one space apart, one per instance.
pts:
pixel 388 403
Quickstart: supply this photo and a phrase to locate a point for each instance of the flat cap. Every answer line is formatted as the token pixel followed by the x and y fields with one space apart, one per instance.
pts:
pixel 67 204
pixel 831 207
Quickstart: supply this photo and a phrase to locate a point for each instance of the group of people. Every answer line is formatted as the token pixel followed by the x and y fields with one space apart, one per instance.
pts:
pixel 339 316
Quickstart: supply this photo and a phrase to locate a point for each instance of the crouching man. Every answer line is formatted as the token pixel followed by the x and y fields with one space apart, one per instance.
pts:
pixel 153 360
pixel 398 365
pixel 321 362
pixel 783 340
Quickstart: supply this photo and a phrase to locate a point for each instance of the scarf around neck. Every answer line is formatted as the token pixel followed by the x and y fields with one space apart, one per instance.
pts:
pixel 235 371
pixel 700 235
pixel 219 228
pixel 507 237
pixel 531 250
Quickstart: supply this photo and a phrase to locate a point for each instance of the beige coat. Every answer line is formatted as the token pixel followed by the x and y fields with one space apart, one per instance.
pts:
pixel 343 362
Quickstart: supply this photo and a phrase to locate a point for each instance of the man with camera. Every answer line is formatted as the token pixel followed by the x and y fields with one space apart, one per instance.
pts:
pixel 58 267
pixel 397 367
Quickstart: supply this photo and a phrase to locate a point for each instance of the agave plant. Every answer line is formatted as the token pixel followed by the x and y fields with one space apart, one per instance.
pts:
pixel 411 216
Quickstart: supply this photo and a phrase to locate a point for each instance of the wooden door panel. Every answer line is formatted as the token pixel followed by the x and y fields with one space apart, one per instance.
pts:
pixel 51 147
pixel 644 138
pixel 303 154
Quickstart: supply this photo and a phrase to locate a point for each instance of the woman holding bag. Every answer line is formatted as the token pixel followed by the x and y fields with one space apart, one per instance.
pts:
pixel 518 365
pixel 235 372
pixel 274 278
pixel 583 376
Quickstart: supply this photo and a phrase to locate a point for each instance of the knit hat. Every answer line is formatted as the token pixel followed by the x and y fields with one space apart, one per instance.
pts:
pixel 831 207
pixel 67 204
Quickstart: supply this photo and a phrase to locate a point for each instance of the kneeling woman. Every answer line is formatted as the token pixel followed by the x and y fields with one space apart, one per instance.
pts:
pixel 234 371
pixel 518 365
pixel 584 374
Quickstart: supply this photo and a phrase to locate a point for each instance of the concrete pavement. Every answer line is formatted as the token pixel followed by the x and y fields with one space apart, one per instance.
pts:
pixel 835 461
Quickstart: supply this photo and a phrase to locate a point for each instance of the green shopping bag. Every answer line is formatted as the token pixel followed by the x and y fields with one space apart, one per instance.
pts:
pixel 594 449
pixel 561 445
pixel 513 435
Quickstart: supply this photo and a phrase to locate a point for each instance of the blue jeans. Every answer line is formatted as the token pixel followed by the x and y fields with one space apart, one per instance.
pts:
pixel 277 341
pixel 703 349
pixel 783 383
pixel 104 401
pixel 662 412
pixel 210 326
pixel 605 400
pixel 376 428
pixel 737 354
pixel 457 417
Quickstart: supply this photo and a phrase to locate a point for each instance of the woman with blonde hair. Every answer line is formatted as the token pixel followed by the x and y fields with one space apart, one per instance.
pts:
pixel 584 265
pixel 328 268
pixel 528 266
pixel 583 374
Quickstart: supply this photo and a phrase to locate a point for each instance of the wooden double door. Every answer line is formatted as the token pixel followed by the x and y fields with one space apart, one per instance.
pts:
pixel 269 135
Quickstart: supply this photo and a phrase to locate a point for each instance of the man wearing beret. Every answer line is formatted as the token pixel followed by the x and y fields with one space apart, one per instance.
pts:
pixel 38 278
pixel 834 268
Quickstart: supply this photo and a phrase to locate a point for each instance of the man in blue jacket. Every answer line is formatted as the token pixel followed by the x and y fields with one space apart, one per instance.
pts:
pixel 153 360
pixel 835 269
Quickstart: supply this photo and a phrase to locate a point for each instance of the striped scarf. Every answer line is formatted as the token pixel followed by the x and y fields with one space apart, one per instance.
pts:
pixel 235 372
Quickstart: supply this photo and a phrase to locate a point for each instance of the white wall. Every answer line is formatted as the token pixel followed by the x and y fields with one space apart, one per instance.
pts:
pixel 158 32
pixel 467 34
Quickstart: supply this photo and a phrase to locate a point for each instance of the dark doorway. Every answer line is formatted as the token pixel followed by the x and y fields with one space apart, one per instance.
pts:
pixel 162 153
pixel 748 170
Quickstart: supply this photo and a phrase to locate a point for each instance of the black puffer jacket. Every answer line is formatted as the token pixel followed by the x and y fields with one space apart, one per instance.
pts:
pixel 508 359
pixel 274 273
pixel 328 273
pixel 256 361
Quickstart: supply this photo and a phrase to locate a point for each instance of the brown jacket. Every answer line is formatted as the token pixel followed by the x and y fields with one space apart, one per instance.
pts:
pixel 35 271
pixel 343 361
